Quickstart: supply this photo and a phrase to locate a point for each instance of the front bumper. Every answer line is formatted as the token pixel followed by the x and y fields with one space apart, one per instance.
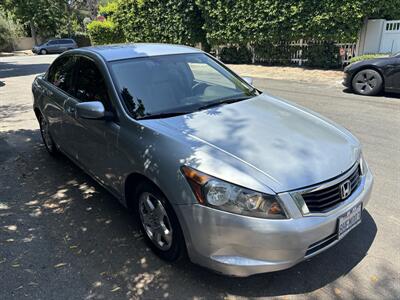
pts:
pixel 346 79
pixel 242 246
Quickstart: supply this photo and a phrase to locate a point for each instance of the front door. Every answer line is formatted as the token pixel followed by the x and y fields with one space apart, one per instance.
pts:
pixel 93 140
pixel 393 75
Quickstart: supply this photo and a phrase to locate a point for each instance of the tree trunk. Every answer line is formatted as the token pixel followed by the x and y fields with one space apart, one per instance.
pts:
pixel 33 31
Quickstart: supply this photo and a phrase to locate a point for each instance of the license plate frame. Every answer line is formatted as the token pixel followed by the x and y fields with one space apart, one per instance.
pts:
pixel 349 220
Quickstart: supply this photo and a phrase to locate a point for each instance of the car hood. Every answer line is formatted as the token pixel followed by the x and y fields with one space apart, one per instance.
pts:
pixel 289 145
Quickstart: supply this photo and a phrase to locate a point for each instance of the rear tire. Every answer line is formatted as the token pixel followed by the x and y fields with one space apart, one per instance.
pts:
pixel 158 223
pixel 367 82
pixel 46 137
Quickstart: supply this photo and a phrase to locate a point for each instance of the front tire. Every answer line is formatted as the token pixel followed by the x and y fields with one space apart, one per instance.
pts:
pixel 158 223
pixel 46 137
pixel 367 82
pixel 43 51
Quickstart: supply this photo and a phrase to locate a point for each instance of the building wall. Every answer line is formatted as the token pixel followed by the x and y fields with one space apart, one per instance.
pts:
pixel 24 43
pixel 379 36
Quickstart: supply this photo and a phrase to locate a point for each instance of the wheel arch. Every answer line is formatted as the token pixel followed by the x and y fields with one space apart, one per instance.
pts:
pixel 131 183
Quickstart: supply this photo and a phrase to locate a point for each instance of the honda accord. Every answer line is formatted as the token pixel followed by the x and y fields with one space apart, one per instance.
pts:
pixel 211 167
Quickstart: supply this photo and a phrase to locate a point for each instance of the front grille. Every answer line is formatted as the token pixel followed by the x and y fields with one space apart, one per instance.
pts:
pixel 324 199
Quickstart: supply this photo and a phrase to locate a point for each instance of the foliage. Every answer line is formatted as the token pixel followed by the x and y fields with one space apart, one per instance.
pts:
pixel 5 34
pixel 44 14
pixel 236 55
pixel 322 55
pixel 103 33
pixel 266 21
pixel 108 9
pixel 47 18
pixel 367 56
pixel 169 21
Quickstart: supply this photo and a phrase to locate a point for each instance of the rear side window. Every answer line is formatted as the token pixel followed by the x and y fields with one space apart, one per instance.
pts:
pixel 61 73
pixel 66 41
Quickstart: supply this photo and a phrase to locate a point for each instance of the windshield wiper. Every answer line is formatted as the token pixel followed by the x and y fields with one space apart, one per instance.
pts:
pixel 163 115
pixel 223 101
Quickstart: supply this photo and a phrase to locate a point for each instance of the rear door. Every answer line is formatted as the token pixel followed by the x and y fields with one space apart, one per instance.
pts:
pixel 57 89
pixel 52 46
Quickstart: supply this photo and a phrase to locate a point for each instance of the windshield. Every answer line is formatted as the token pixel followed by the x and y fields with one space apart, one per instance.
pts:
pixel 176 84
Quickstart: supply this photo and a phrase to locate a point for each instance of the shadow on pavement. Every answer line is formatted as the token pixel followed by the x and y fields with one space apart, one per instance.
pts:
pixel 67 230
pixel 382 94
pixel 8 70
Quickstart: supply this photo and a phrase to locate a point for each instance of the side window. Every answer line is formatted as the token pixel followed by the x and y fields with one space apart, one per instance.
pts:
pixel 52 43
pixel 61 72
pixel 90 84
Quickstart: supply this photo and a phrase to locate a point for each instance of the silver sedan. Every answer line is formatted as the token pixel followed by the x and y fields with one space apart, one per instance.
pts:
pixel 240 181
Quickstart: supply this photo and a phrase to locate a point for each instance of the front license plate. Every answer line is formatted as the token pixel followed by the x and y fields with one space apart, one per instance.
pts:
pixel 349 220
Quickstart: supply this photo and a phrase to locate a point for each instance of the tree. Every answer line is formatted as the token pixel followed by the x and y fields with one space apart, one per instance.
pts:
pixel 45 17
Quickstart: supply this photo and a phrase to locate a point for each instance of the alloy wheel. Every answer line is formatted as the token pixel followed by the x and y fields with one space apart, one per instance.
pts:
pixel 367 82
pixel 155 221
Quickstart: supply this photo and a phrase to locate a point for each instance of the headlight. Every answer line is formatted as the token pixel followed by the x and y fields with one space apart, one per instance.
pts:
pixel 226 196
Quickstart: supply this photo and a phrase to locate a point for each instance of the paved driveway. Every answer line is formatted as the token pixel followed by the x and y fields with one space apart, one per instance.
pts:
pixel 64 237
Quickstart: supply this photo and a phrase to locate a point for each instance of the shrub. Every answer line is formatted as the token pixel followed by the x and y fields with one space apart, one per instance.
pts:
pixel 168 21
pixel 108 10
pixel 104 33
pixel 367 56
pixel 235 55
pixel 6 35
pixel 322 55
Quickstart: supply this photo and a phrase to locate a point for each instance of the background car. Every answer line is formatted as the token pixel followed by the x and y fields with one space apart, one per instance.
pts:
pixel 371 76
pixel 55 46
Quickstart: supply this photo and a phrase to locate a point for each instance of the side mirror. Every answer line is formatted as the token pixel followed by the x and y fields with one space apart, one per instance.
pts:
pixel 249 80
pixel 90 110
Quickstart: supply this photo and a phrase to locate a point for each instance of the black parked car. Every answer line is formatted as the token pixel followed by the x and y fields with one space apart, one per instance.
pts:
pixel 369 77
pixel 55 46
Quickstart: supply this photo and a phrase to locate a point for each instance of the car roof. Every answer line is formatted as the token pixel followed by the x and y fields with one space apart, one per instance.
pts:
pixel 125 51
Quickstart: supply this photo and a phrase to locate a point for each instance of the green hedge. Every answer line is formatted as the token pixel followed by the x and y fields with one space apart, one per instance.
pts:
pixel 168 21
pixel 322 55
pixel 236 55
pixel 104 32
pixel 367 56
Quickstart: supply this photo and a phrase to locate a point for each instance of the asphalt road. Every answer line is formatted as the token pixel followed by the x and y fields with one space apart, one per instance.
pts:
pixel 64 237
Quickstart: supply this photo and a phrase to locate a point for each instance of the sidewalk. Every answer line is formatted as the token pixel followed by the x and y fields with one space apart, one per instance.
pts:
pixel 289 73
pixel 16 53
